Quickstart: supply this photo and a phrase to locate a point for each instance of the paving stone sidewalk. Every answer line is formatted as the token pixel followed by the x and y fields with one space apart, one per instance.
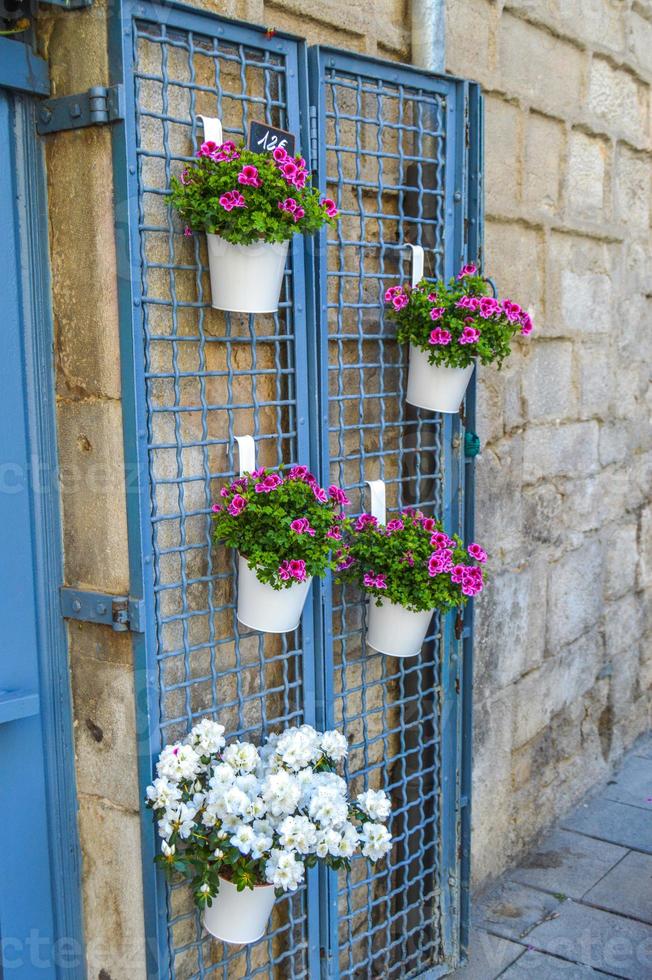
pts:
pixel 580 905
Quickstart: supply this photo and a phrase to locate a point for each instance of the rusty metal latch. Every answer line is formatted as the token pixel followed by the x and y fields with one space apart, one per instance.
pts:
pixel 121 613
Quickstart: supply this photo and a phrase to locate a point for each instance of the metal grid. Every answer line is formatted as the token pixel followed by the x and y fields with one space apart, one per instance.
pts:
pixel 384 155
pixel 387 143
pixel 207 377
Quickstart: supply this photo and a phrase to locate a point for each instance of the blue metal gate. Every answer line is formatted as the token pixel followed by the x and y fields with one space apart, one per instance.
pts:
pixel 318 382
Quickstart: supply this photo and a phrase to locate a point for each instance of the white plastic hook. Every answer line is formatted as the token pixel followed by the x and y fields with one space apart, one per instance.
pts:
pixel 417 263
pixel 212 129
pixel 247 453
pixel 378 503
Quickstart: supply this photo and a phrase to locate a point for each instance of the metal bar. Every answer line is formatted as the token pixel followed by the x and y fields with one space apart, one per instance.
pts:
pixel 18 704
pixel 21 70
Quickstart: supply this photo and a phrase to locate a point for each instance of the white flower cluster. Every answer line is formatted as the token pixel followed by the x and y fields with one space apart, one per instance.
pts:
pixel 262 812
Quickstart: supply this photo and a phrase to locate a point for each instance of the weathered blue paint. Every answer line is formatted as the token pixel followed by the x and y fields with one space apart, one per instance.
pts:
pixel 21 70
pixel 40 916
pixel 422 936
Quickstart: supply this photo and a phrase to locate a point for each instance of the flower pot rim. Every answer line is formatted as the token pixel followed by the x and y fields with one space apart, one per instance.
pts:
pixel 245 890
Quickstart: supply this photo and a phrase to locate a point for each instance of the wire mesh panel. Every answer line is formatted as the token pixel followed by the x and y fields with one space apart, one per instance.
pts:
pixel 388 151
pixel 207 377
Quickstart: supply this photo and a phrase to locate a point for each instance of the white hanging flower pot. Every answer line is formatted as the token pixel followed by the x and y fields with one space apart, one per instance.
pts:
pixel 246 278
pixel 437 388
pixel 395 630
pixel 239 917
pixel 266 609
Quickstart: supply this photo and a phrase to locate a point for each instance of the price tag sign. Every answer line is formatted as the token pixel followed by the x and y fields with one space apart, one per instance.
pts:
pixel 265 139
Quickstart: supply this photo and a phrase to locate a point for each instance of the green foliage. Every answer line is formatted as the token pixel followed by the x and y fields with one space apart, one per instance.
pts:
pixel 395 562
pixel 261 531
pixel 197 192
pixel 446 337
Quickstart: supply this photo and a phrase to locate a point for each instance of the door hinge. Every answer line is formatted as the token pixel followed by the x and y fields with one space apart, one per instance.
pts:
pixel 121 613
pixel 314 137
pixel 98 106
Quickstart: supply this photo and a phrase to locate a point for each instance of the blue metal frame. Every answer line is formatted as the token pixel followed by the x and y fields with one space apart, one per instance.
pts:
pixel 153 393
pixel 43 715
pixel 21 70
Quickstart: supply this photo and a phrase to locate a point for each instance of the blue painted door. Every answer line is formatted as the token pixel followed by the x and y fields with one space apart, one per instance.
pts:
pixel 26 914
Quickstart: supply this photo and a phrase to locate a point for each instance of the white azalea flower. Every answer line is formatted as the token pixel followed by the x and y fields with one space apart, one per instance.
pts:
pixel 241 756
pixel 243 839
pixel 334 745
pixel 328 842
pixel 328 808
pixel 299 834
pixel 178 763
pixel 284 871
pixel 162 793
pixel 281 793
pixel 376 840
pixel 168 850
pixel 376 804
pixel 222 776
pixel 207 737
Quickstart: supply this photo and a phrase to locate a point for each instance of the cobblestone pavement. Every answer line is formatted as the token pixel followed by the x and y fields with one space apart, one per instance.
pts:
pixel 580 904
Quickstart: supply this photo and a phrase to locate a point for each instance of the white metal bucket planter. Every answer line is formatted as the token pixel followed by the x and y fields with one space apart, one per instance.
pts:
pixel 246 278
pixel 437 388
pixel 239 917
pixel 395 630
pixel 266 609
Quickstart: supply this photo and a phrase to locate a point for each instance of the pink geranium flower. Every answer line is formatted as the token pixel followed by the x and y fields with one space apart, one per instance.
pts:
pixel 329 207
pixel 366 520
pixel 467 270
pixel 338 495
pixel 237 505
pixel 392 292
pixel 395 525
pixel 269 483
pixel 249 175
pixel 439 336
pixel 469 336
pixel 232 199
pixel 400 301
pixel 280 154
pixel 437 312
pixel 319 494
pixel 301 525
pixel 477 552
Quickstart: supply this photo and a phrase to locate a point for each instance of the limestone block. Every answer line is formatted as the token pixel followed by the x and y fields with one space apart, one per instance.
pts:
pixel 596 379
pixel 544 70
pixel 514 257
pixel 542 510
pixel 492 807
pixel 645 567
pixel 580 290
pixel 503 153
pixel 640 42
pixel 93 494
pixel 112 890
pixel 632 189
pixel 619 101
pixel 104 714
pixel 560 450
pixel 558 682
pixel 623 628
pixel 510 626
pixel 617 440
pixel 587 164
pixel 620 559
pixel 548 391
pixel 471 19
pixel 499 479
pixel 574 595
pixel 598 22
pixel 544 144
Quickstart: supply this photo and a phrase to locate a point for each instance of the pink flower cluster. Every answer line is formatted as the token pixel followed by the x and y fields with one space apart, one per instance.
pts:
pixel 373 581
pixel 469 577
pixel 294 170
pixel 294 568
pixel 301 525
pixel 477 552
pixel 396 297
pixel 395 525
pixel 237 505
pixel 470 335
pixel 249 176
pixel 268 483
pixel 292 207
pixel 467 270
pixel 487 306
pixel 439 336
pixel 219 152
pixel 338 495
pixel 329 207
pixel 366 520
pixel 437 312
pixel 231 200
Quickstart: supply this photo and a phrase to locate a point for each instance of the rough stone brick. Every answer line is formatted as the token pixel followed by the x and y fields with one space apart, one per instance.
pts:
pixel 574 595
pixel 616 442
pixel 645 569
pixel 514 258
pixel 553 685
pixel 544 70
pixel 640 42
pixel 503 165
pixel 476 19
pixel 587 159
pixel 499 477
pixel 580 292
pixel 566 450
pixel 490 392
pixel 544 144
pixel 547 381
pixel 632 189
pixel 619 101
pixel 595 371
pixel 599 22
pixel 111 890
pixel 93 494
pixel 510 626
pixel 492 782
pixel 104 712
pixel 620 560
pixel 623 625
pixel 542 514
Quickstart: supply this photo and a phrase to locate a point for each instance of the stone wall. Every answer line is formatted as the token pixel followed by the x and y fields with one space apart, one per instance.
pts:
pixel 562 663
pixel 563 648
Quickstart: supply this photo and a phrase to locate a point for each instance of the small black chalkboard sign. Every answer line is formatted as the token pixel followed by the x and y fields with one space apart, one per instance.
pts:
pixel 264 138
